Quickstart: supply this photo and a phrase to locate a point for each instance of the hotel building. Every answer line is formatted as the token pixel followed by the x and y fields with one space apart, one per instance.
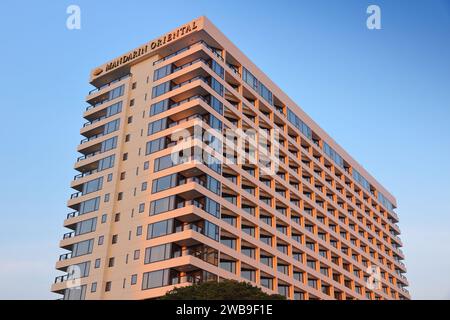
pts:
pixel 149 214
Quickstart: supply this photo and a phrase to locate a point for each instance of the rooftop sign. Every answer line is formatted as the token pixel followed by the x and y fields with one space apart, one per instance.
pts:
pixel 149 47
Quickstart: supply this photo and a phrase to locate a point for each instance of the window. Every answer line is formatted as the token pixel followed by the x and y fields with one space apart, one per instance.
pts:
pixel 156 126
pixel 249 79
pixel 212 162
pixel 160 89
pixel 164 183
pixel 155 279
pixel 146 165
pixel 122 175
pixel 111 262
pixel 139 231
pixel 109 144
pixel 108 286
pixel 162 72
pixel 217 86
pixel 97 263
pixel 163 162
pixel 76 293
pixel 160 228
pixel 133 85
pixel 82 248
pixel 217 68
pixel 114 109
pixel 267 282
pixel 267 260
pixel 106 163
pixel 248 274
pixel 299 295
pixel 155 145
pixel 80 270
pixel 212 207
pixel 283 268
pixel 111 126
pixel 100 240
pixel 104 217
pixel 299 124
pixel 133 279
pixel 211 230
pixel 125 156
pixel 159 107
pixel 283 290
pixel 117 217
pixel 92 186
pixel 216 104
pixel 116 92
pixel 249 252
pixel 89 205
pixel 266 239
pixel 162 205
pixel 312 283
pixel 109 177
pixel 137 253
pixel 127 138
pixel 215 124
pixel 85 226
pixel 114 239
pixel 144 186
pixel 298 276
pixel 228 265
pixel 130 120
pixel 141 207
pixel 94 287
pixel 158 253
pixel 231 220
pixel 266 93
pixel 213 185
pixel 229 242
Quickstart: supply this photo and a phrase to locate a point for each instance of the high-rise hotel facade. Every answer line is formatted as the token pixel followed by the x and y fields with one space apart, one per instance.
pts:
pixel 160 200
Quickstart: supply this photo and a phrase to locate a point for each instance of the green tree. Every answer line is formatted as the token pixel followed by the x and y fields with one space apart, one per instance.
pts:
pixel 223 290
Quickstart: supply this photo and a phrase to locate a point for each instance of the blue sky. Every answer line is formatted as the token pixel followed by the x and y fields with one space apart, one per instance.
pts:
pixel 383 95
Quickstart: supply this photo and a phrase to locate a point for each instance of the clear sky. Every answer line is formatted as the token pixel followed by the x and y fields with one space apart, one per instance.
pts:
pixel 383 95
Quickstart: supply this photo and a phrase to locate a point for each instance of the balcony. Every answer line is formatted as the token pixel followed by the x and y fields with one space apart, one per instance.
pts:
pixel 75 195
pixel 73 214
pixel 69 235
pixel 100 88
pixel 89 155
pixel 84 174
pixel 62 278
pixel 199 43
pixel 65 256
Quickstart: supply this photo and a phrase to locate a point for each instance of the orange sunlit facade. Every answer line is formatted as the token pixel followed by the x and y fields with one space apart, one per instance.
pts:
pixel 160 201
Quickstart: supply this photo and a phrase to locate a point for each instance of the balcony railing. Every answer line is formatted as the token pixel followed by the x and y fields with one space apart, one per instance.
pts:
pixel 189 81
pixel 89 155
pixel 92 138
pixel 73 214
pixel 176 104
pixel 75 195
pixel 201 42
pixel 233 68
pixel 109 83
pixel 88 123
pixel 65 256
pixel 68 235
pixel 85 174
pixel 189 64
pixel 62 278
